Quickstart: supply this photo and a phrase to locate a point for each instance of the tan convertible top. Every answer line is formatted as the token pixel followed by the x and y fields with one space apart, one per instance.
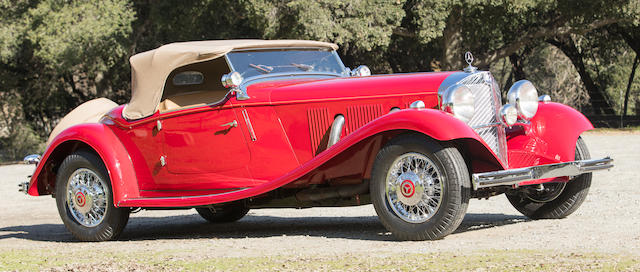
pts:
pixel 150 69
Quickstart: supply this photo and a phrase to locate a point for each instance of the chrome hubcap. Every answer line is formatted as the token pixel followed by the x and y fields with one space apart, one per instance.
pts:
pixel 414 188
pixel 87 197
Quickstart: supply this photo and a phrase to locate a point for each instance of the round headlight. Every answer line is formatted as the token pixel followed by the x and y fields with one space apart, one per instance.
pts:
pixel 524 96
pixel 509 114
pixel 459 100
pixel 231 80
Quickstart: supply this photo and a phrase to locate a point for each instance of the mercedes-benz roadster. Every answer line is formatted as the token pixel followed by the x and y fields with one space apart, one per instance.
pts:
pixel 228 126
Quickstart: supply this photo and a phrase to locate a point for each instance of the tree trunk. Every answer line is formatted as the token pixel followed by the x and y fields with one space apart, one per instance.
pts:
pixel 626 94
pixel 599 99
pixel 516 65
pixel 452 41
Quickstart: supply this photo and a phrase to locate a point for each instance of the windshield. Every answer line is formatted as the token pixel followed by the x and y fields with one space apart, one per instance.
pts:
pixel 263 62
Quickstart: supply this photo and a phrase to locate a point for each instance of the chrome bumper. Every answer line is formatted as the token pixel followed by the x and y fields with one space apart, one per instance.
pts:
pixel 515 176
pixel 23 187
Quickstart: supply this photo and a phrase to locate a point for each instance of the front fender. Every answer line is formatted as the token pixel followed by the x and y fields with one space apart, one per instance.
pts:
pixel 104 142
pixel 550 136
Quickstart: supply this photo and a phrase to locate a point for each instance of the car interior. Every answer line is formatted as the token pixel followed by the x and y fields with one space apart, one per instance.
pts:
pixel 194 85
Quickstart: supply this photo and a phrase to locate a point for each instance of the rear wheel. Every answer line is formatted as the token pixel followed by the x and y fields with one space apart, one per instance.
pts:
pixel 223 214
pixel 85 201
pixel 420 189
pixel 554 200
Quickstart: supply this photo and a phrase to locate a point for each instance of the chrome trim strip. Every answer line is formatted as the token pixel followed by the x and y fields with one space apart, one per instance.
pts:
pixel 495 124
pixel 336 130
pixel 249 126
pixel 515 176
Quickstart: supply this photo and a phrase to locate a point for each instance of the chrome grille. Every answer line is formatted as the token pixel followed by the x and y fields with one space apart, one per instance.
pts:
pixel 486 120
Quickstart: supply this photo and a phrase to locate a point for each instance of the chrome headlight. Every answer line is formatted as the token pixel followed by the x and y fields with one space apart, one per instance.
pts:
pixel 459 101
pixel 524 96
pixel 509 114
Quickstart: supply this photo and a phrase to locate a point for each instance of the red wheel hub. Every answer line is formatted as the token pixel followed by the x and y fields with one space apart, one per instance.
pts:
pixel 81 200
pixel 407 188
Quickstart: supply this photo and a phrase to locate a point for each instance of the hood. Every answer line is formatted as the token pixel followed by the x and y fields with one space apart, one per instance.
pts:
pixel 278 91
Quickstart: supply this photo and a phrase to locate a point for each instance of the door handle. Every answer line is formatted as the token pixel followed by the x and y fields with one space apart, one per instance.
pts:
pixel 233 123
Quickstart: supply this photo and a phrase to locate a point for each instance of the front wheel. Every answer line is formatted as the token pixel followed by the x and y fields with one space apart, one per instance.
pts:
pixel 85 200
pixel 419 188
pixel 554 200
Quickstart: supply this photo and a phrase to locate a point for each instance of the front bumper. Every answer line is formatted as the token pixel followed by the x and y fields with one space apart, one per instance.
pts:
pixel 515 176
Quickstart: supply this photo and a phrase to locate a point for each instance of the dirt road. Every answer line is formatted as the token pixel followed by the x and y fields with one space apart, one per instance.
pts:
pixel 607 223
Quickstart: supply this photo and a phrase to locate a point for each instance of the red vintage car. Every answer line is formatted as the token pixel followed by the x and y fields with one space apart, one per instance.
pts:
pixel 290 126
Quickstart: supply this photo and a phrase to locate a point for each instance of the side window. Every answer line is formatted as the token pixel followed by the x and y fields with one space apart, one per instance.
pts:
pixel 194 85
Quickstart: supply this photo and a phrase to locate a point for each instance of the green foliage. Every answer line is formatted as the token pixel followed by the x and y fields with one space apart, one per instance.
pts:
pixel 56 54
pixel 67 34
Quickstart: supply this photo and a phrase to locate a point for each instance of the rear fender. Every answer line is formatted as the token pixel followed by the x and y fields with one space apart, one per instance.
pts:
pixel 550 136
pixel 100 139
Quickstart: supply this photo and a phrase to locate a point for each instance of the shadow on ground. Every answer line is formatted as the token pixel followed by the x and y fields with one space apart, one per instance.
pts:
pixel 252 226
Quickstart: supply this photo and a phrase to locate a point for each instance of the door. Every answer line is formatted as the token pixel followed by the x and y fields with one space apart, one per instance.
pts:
pixel 208 141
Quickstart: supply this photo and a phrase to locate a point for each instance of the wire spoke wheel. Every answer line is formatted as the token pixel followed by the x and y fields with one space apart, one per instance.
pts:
pixel 85 201
pixel 419 188
pixel 414 188
pixel 87 197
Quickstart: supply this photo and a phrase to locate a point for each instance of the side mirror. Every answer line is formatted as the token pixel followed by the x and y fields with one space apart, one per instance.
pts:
pixel 232 81
pixel 361 71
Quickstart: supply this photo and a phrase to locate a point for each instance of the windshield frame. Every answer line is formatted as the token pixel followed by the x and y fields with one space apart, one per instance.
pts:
pixel 265 77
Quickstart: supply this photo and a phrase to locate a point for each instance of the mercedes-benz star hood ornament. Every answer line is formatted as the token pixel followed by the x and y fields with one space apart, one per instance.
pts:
pixel 468 57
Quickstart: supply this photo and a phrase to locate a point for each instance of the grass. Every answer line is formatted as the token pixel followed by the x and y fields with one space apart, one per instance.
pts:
pixel 491 260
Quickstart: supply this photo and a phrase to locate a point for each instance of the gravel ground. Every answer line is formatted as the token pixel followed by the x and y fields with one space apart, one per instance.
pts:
pixel 607 223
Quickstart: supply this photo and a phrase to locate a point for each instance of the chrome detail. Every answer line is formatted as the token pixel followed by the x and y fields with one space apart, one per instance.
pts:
pixel 417 105
pixel 361 71
pixel 163 160
pixel 394 109
pixel 32 159
pixel 87 197
pixel 252 133
pixel 336 130
pixel 496 124
pixel 468 57
pixel 545 98
pixel 487 110
pixel 508 115
pixel 232 81
pixel 23 187
pixel 524 96
pixel 414 187
pixel 459 101
pixel 515 176
pixel 158 125
pixel 233 123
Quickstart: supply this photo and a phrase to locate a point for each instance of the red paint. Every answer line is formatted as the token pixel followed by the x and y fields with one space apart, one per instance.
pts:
pixel 407 188
pixel 281 137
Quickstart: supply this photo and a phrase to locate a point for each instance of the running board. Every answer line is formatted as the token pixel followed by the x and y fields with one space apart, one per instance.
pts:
pixel 518 175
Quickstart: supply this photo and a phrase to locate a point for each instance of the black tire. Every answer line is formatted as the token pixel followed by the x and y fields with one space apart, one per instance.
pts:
pixel 224 214
pixel 113 220
pixel 453 176
pixel 562 203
